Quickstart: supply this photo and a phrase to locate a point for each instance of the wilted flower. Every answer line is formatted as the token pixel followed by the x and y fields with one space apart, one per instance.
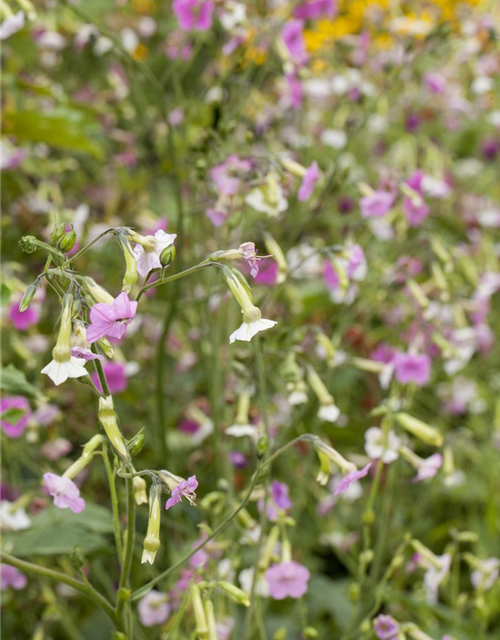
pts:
pixel 351 477
pixel 179 488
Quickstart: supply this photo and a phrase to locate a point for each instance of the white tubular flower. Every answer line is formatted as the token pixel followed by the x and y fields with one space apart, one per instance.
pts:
pixel 379 446
pixel 328 410
pixel 63 364
pixel 148 250
pixel 253 322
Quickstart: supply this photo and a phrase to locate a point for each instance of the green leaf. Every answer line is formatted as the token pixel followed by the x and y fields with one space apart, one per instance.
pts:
pixel 13 382
pixel 93 518
pixel 56 540
pixel 13 416
pixel 62 128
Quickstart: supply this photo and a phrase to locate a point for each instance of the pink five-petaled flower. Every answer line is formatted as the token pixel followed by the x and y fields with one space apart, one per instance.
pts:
pixel 193 15
pixel 20 412
pixel 351 477
pixel 376 204
pixel 11 577
pixel 287 580
pixel 65 492
pixel 386 628
pixel 185 489
pixel 412 368
pixel 308 181
pixel 293 37
pixel 111 320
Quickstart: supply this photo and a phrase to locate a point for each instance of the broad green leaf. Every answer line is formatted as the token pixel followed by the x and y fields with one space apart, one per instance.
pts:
pixel 13 382
pixel 56 539
pixel 93 518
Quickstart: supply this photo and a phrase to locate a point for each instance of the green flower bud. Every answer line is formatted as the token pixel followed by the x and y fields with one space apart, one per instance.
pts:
pixel 27 297
pixel 167 256
pixel 235 593
pixel 76 558
pixel 262 446
pixel 29 244
pixel 57 233
pixel 67 242
pixel 136 443
pixel 426 433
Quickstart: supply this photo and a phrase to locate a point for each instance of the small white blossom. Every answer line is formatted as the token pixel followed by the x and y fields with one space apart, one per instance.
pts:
pixel 377 449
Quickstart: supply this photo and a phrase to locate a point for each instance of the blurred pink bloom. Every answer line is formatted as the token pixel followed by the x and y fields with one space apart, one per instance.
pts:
pixel 386 628
pixel 435 82
pixel 415 208
pixel 293 37
pixel 185 489
pixel 309 180
pixel 11 577
pixel 193 15
pixel 429 467
pixel 153 608
pixel 23 320
pixel 287 580
pixel 412 368
pixel 351 477
pixel 313 9
pixel 86 354
pixel 268 273
pixel 115 375
pixel 376 204
pixel 295 91
pixel 11 25
pixel 217 216
pixel 65 492
pixel 14 427
pixel 111 320
pixel 227 175
pixel 55 449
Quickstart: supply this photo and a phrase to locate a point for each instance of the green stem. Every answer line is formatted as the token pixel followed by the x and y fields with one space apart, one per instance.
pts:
pixel 176 276
pixel 84 249
pixel 147 587
pixel 114 501
pixel 129 545
pixel 86 590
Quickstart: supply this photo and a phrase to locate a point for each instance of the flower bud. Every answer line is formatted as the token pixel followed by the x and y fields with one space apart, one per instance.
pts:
pixel 418 294
pixel 97 292
pixel 27 297
pixel 275 250
pixel 135 444
pixel 167 256
pixel 267 554
pixel 130 275
pixel 152 539
pixel 86 457
pixel 29 244
pixel 199 613
pixel 211 622
pixel 109 421
pixel 140 495
pixel 426 433
pixel 67 242
pixel 57 233
pixel 293 167
pixel 235 593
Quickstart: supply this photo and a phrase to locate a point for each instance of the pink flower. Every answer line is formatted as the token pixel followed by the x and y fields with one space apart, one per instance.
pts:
pixel 268 274
pixel 65 492
pixel 226 176
pixel 153 608
pixel 185 489
pixel 435 82
pixel 416 210
pixel 55 449
pixel 111 320
pixel 412 368
pixel 309 180
pixel 115 375
pixel 313 9
pixel 429 467
pixel 86 354
pixel 193 15
pixel 386 628
pixel 20 412
pixel 217 216
pixel 148 257
pixel 23 320
pixel 11 577
pixel 293 37
pixel 249 254
pixel 295 91
pixel 351 477
pixel 376 204
pixel 287 580
pixel 11 25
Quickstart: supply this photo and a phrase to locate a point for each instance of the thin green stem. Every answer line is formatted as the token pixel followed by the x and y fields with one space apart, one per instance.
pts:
pixel 176 276
pixel 85 589
pixel 84 249
pixel 129 544
pixel 114 501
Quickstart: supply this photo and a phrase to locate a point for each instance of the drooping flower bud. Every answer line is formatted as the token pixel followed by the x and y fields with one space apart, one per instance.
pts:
pixel 426 433
pixel 85 458
pixel 235 593
pixel 130 275
pixel 97 292
pixel 109 421
pixel 199 613
pixel 140 495
pixel 27 297
pixel 152 539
